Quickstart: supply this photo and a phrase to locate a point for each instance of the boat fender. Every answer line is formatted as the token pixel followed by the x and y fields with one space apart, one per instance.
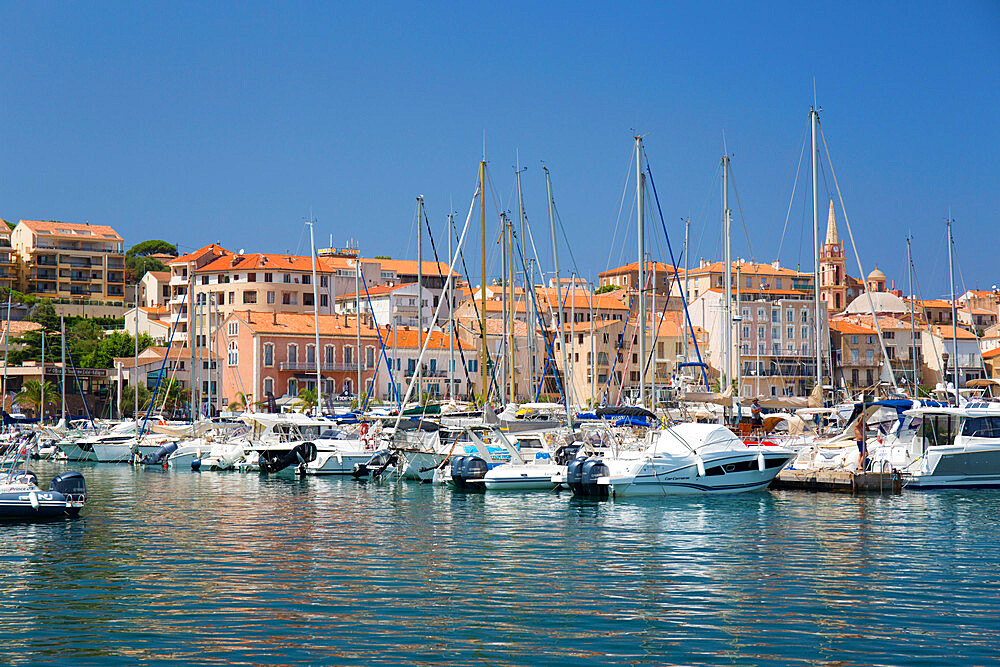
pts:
pixel 760 461
pixel 701 466
pixel 196 464
pixel 33 497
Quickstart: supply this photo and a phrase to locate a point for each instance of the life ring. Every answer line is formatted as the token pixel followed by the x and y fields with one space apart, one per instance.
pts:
pixel 364 429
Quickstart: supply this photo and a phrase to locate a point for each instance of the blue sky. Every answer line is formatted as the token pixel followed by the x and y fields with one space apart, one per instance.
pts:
pixel 201 122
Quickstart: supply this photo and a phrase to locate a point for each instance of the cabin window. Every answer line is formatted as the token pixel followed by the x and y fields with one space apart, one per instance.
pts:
pixel 981 427
pixel 939 430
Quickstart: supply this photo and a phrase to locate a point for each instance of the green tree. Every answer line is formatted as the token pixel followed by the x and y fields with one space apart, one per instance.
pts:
pixel 137 267
pixel 606 288
pixel 173 397
pixel 128 399
pixel 307 399
pixel 31 393
pixel 152 247
pixel 118 344
pixel 240 403
pixel 44 313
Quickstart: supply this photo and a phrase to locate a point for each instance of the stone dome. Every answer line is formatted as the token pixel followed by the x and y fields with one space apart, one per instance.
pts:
pixel 876 275
pixel 885 303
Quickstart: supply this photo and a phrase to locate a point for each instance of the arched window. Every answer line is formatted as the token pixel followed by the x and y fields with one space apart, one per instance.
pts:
pixel 234 353
pixel 292 388
pixel 268 354
pixel 268 386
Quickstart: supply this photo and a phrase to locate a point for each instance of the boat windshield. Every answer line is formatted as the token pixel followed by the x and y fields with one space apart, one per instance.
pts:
pixel 939 430
pixel 981 427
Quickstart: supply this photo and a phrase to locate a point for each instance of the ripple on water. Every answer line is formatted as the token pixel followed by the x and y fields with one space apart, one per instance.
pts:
pixel 227 568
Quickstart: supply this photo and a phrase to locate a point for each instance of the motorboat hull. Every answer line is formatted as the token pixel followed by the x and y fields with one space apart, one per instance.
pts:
pixel 46 505
pixel 337 463
pixel 651 478
pixel 523 477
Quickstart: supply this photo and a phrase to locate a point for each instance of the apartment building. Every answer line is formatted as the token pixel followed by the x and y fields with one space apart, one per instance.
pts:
pixel 659 277
pixel 774 338
pixel 8 259
pixel 80 266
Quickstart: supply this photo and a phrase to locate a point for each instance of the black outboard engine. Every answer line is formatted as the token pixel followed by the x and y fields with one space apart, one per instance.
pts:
pixel 574 475
pixel 73 487
pixel 272 462
pixel 160 455
pixel 466 468
pixel 565 453
pixel 591 472
pixel 376 465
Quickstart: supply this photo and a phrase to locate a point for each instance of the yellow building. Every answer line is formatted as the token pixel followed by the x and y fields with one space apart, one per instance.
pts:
pixel 70 262
pixel 8 261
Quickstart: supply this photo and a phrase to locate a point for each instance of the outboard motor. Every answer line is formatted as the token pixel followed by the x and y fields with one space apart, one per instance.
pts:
pixel 457 464
pixel 591 472
pixel 376 465
pixel 574 475
pixel 565 453
pixel 467 468
pixel 160 455
pixel 272 462
pixel 73 487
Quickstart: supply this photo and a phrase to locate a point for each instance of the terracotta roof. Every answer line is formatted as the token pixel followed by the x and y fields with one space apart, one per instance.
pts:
pixel 73 229
pixel 406 338
pixel 584 327
pixel 265 262
pixel 409 267
pixel 932 303
pixel 373 291
pixel 634 267
pixel 212 248
pixel 162 276
pixel 547 297
pixel 989 354
pixel 748 268
pixel 302 324
pixel 959 332
pixel 847 327
pixel 19 327
pixel 742 290
pixel 154 354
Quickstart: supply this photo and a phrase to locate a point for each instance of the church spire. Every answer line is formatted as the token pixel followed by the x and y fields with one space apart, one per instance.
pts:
pixel 831 227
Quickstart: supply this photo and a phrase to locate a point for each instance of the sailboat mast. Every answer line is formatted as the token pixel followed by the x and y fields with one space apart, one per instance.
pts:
pixel 913 324
pixel 511 357
pixel 62 341
pixel 482 280
pixel 6 342
pixel 41 400
pixel 451 316
pixel 559 299
pixel 813 121
pixel 641 258
pixel 593 348
pixel 687 295
pixel 954 314
pixel 190 341
pixel 420 292
pixel 727 315
pixel 571 295
pixel 502 350
pixel 317 356
pixel 654 341
pixel 357 323
pixel 135 368
pixel 528 307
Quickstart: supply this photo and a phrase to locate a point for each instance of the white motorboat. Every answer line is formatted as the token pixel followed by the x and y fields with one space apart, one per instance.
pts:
pixel 682 459
pixel 956 447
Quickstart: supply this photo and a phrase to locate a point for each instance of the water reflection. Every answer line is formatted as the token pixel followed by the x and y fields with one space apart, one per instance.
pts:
pixel 225 567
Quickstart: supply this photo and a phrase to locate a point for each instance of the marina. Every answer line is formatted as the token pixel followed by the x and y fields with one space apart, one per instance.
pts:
pixel 223 567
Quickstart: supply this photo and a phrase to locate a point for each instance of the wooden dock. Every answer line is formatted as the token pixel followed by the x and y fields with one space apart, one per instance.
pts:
pixel 839 481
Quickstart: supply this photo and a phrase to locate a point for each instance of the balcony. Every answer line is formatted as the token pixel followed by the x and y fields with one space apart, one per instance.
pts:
pixel 310 366
pixel 178 281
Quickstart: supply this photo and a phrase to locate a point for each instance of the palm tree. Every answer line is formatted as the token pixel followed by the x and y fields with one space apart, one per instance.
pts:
pixel 31 393
pixel 307 399
pixel 240 402
pixel 175 397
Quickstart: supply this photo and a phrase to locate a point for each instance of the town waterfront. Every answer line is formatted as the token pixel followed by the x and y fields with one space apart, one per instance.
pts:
pixel 182 567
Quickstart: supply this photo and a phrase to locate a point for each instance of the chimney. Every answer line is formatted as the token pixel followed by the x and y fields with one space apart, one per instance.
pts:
pixel 274 316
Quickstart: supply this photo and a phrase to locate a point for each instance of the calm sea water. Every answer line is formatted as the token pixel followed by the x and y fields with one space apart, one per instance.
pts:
pixel 230 568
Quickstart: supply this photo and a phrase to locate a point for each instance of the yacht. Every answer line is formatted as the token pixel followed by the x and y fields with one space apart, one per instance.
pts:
pixel 955 447
pixel 681 459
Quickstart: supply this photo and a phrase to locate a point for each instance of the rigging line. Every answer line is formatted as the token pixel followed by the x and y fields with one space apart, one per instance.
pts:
pixel 739 207
pixel 798 169
pixel 621 205
pixel 704 208
pixel 684 302
pixel 475 306
pixel 857 256
pixel 802 233
pixel 927 319
pixel 451 306
pixel 549 352
pixel 972 325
